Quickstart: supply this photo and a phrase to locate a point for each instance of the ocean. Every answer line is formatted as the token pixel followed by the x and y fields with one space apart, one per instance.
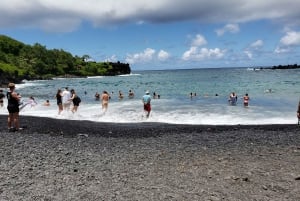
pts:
pixel 274 96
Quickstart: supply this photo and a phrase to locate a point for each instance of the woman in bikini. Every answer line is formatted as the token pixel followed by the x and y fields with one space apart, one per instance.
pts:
pixel 246 100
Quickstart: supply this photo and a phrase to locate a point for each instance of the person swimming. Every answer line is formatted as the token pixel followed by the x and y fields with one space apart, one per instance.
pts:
pixel 46 103
pixel 97 96
pixel 130 94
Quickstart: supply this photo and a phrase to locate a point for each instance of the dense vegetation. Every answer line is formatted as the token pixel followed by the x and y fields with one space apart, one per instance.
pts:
pixel 19 61
pixel 289 66
pixel 285 67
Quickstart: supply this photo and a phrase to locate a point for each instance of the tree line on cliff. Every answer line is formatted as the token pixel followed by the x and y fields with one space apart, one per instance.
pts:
pixel 19 61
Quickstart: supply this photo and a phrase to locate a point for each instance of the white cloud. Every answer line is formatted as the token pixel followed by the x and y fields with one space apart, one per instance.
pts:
pixel 145 56
pixel 280 50
pixel 231 28
pixel 254 49
pixel 199 40
pixel 194 53
pixel 249 54
pixel 113 58
pixel 291 38
pixel 66 14
pixel 148 55
pixel 287 42
pixel 163 55
pixel 257 44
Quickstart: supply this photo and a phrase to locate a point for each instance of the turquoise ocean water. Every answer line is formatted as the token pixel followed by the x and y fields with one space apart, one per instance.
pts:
pixel 274 95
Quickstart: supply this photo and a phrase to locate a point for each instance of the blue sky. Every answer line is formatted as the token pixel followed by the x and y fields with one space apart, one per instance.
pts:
pixel 161 34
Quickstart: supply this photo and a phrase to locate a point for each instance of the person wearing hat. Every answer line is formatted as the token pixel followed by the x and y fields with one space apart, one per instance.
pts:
pixel 13 108
pixel 147 103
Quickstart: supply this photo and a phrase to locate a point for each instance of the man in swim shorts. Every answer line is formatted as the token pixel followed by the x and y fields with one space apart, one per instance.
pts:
pixel 147 103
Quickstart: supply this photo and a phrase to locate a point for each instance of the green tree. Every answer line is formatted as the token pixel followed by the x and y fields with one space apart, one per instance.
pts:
pixel 18 61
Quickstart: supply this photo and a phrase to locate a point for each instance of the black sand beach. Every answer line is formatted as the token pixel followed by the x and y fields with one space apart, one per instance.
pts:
pixel 81 160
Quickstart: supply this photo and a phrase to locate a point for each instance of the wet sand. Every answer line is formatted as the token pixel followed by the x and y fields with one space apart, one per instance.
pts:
pixel 81 160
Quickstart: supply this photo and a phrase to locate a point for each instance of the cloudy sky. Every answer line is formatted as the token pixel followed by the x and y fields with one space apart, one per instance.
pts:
pixel 161 34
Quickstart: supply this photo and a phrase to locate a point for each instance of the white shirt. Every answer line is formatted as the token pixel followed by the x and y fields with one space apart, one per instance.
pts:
pixel 66 95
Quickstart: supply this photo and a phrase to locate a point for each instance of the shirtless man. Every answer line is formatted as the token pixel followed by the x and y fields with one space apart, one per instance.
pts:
pixel 147 103
pixel 104 99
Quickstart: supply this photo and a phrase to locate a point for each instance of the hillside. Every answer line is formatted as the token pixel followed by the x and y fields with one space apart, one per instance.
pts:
pixel 19 61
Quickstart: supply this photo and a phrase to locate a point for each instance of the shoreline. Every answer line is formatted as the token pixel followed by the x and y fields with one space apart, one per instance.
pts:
pixel 42 125
pixel 54 159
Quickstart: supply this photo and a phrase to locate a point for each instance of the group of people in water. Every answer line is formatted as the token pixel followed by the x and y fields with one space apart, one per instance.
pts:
pixel 232 100
pixel 120 96
pixel 66 98
pixel 105 97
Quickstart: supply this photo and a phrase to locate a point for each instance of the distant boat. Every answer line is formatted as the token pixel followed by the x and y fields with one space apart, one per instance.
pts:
pixel 93 77
pixel 253 69
pixel 131 74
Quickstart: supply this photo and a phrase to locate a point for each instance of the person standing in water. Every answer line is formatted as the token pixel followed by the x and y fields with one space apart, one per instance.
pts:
pixel 66 99
pixel 59 101
pixel 121 96
pixel 147 103
pixel 130 94
pixel 97 96
pixel 246 100
pixel 104 99
pixel 76 100
pixel 232 98
pixel 32 101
